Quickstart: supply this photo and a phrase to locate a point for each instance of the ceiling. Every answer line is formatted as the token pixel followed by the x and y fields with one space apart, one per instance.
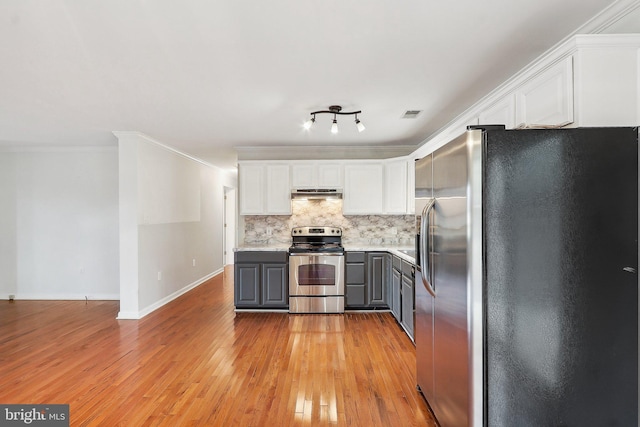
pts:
pixel 208 76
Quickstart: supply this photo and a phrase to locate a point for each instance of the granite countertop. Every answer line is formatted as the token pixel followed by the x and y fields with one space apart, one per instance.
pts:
pixel 404 252
pixel 263 248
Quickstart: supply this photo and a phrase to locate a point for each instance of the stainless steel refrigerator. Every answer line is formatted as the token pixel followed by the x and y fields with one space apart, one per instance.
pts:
pixel 527 297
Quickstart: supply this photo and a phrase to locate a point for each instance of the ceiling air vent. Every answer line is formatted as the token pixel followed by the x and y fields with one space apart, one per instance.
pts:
pixel 411 114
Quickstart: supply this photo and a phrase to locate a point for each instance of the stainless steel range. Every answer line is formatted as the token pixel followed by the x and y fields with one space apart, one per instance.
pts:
pixel 316 270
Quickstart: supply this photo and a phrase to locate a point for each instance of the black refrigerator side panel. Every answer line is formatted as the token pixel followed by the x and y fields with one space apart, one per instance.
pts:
pixel 561 288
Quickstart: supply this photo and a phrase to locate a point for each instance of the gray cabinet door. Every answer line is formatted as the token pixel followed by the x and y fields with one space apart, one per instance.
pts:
pixel 275 285
pixel 247 285
pixel 407 305
pixel 396 285
pixel 378 279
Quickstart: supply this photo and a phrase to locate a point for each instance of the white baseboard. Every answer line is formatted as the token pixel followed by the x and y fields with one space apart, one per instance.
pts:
pixel 65 297
pixel 140 314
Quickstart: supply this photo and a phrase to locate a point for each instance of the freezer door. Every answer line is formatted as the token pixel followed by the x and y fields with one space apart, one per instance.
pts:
pixel 562 289
pixel 449 246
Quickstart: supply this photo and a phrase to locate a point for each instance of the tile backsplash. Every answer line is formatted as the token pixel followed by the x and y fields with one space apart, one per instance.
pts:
pixel 386 230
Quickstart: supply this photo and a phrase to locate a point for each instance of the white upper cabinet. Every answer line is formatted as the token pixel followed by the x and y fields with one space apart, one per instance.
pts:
pixel 330 175
pixel 607 80
pixel 316 174
pixel 363 188
pixel 592 80
pixel 501 113
pixel 251 183
pixel 547 99
pixel 371 187
pixel 278 201
pixel 264 189
pixel 304 176
pixel 395 187
pixel 411 186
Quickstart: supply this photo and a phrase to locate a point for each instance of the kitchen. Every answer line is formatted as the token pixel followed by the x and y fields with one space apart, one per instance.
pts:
pixel 134 215
pixel 324 272
pixel 360 177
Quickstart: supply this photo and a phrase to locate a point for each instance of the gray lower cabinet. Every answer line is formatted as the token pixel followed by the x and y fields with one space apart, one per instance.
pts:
pixel 261 279
pixel 367 279
pixel 408 298
pixel 378 270
pixel 396 287
pixel 407 305
pixel 402 294
pixel 355 280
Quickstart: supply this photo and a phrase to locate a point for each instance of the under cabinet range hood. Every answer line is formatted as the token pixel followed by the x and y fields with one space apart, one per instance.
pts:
pixel 316 193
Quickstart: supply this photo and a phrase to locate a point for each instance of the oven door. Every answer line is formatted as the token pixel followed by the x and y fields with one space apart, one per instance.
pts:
pixel 316 274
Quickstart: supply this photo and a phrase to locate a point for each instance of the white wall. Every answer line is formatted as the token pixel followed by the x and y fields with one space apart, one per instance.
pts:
pixel 171 213
pixel 59 223
pixel 8 231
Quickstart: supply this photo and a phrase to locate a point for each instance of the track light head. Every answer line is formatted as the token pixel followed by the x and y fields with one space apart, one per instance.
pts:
pixel 359 125
pixel 307 125
pixel 335 110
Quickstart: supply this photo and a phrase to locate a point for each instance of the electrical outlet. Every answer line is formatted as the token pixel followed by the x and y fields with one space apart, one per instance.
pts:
pixel 159 275
pixel 194 262
pixel 269 231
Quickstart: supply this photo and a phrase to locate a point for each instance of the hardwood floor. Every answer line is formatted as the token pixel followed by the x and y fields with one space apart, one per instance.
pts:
pixel 197 362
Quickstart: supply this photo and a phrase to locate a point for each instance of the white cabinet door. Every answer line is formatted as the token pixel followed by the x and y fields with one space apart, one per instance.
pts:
pixel 411 186
pixel 316 175
pixel 278 200
pixel 251 183
pixel 501 113
pixel 547 99
pixel 607 82
pixel 264 189
pixel 363 189
pixel 330 175
pixel 303 176
pixel 395 186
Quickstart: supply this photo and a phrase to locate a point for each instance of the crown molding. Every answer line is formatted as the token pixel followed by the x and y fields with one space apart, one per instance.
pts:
pixel 322 152
pixel 58 149
pixel 608 17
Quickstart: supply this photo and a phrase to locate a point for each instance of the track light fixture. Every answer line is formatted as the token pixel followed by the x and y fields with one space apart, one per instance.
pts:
pixel 335 110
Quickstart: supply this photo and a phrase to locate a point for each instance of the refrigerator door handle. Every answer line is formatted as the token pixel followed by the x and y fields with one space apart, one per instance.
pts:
pixel 424 248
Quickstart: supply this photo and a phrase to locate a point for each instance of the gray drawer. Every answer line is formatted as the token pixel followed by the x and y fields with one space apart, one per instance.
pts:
pixel 354 257
pixel 407 268
pixel 397 263
pixel 261 256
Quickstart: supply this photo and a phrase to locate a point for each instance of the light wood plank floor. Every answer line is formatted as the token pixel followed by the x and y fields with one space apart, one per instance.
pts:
pixel 197 362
